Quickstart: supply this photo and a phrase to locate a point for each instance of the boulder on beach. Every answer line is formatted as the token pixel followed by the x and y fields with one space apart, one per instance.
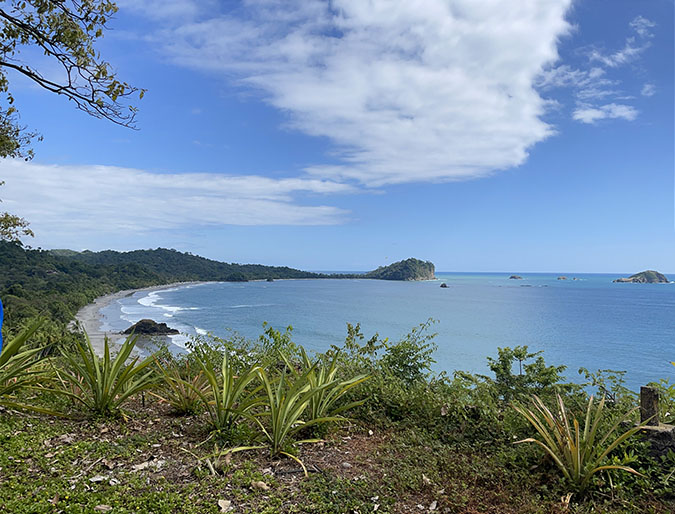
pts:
pixel 149 327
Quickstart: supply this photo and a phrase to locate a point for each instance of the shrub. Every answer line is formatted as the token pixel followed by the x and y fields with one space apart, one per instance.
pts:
pixel 103 384
pixel 18 369
pixel 183 388
pixel 286 401
pixel 227 396
pixel 578 454
pixel 323 375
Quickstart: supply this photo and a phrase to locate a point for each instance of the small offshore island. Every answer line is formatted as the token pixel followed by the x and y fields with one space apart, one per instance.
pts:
pixel 409 269
pixel 645 277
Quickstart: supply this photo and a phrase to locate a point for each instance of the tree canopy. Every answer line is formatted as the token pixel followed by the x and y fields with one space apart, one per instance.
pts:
pixel 65 33
pixel 61 35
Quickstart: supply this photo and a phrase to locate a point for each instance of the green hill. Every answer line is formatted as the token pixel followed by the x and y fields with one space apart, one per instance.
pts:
pixel 58 283
pixel 409 269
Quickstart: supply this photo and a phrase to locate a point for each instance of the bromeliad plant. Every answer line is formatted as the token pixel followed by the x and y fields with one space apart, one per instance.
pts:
pixel 286 402
pixel 20 369
pixel 227 396
pixel 323 373
pixel 103 384
pixel 183 388
pixel 578 453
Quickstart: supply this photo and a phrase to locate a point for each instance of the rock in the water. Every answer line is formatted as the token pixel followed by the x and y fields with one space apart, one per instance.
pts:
pixel 562 278
pixel 515 277
pixel 151 328
pixel 645 277
pixel 270 280
pixel 444 285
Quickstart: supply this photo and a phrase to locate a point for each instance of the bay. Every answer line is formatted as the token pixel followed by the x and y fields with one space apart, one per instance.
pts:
pixel 589 322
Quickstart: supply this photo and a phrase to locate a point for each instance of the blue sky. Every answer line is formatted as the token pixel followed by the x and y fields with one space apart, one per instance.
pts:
pixel 484 136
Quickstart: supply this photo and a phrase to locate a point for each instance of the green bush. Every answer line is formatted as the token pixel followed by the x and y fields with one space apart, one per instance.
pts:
pixel 579 453
pixel 103 384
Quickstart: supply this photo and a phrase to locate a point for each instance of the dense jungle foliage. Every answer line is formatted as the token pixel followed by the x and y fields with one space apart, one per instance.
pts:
pixel 56 283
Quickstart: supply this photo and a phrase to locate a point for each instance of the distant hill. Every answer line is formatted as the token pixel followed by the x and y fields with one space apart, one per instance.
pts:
pixel 176 266
pixel 57 283
pixel 409 269
pixel 645 277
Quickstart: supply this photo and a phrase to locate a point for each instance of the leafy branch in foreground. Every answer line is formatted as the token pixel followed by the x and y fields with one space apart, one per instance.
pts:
pixel 578 454
pixel 103 384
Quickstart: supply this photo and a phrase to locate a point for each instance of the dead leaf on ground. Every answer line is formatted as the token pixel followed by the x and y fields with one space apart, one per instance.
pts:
pixel 259 484
pixel 224 505
pixel 103 508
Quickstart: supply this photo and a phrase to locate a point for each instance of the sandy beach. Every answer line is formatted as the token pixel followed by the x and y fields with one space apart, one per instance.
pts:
pixel 90 320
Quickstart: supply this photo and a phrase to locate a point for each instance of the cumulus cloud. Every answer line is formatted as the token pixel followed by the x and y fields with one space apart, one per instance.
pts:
pixel 591 114
pixel 100 200
pixel 424 90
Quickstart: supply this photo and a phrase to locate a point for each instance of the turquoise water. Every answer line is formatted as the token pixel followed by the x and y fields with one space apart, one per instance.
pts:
pixel 589 322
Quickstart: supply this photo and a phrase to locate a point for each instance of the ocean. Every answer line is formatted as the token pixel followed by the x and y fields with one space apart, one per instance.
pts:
pixel 589 322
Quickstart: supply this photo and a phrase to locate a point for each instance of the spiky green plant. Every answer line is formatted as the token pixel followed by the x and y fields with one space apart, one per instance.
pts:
pixel 578 453
pixel 286 402
pixel 102 384
pixel 324 372
pixel 20 369
pixel 227 396
pixel 181 387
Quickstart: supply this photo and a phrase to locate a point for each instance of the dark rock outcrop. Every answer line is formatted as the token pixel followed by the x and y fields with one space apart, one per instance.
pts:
pixel 444 285
pixel 645 277
pixel 515 277
pixel 149 327
pixel 562 278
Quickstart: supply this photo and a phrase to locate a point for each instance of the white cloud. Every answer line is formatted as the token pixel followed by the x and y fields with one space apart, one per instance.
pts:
pixel 70 201
pixel 591 114
pixel 591 86
pixel 424 90
pixel 588 84
pixel 648 90
pixel 628 53
pixel 643 27
pixel 633 46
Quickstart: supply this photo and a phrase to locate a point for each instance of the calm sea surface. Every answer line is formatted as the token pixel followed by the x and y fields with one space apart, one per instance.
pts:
pixel 588 322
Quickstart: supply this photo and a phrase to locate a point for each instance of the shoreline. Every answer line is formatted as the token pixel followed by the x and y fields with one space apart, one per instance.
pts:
pixel 90 320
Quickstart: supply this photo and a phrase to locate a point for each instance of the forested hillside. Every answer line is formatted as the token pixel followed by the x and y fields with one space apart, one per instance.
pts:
pixel 57 283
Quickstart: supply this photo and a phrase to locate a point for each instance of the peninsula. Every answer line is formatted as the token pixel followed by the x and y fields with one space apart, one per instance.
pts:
pixel 645 277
